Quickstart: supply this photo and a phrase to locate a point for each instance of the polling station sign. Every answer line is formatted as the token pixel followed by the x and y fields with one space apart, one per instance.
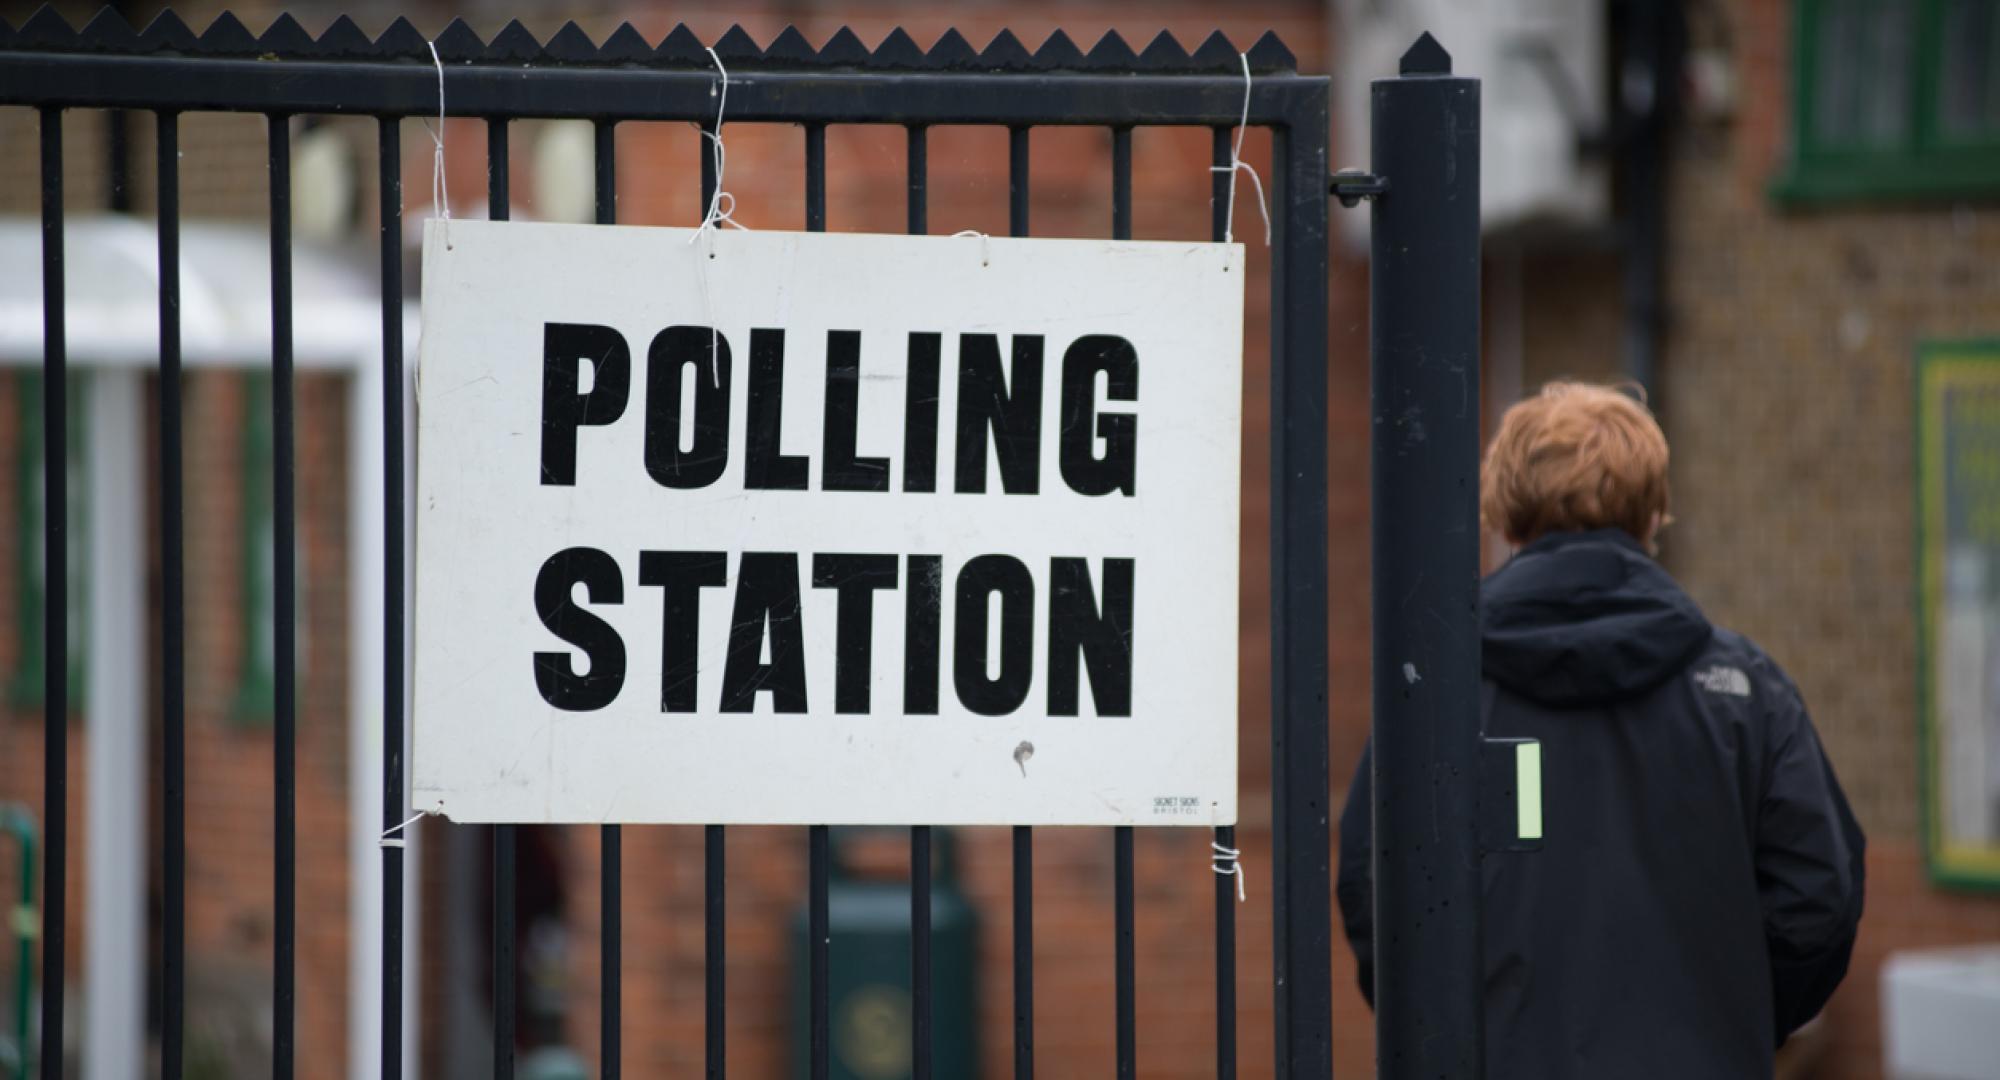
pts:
pixel 749 527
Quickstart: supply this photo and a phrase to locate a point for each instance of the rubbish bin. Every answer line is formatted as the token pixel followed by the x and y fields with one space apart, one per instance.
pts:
pixel 24 923
pixel 869 1008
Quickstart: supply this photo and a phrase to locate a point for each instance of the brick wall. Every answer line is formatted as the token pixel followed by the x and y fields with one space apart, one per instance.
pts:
pixel 223 176
pixel 1073 873
pixel 1785 393
pixel 229 752
pixel 1787 399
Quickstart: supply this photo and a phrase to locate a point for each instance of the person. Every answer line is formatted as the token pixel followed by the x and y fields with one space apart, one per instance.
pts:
pixel 1697 893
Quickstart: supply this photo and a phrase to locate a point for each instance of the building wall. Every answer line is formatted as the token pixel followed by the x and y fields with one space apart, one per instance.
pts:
pixel 1785 391
pixel 229 751
pixel 223 176
pixel 1073 868
pixel 1787 399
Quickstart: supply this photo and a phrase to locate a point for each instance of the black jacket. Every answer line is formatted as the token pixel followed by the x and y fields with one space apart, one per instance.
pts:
pixel 1700 883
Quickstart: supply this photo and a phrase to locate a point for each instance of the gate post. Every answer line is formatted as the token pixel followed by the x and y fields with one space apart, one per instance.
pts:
pixel 1424 346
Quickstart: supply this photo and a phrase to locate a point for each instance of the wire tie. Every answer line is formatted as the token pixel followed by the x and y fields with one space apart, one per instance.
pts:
pixel 1237 164
pixel 1229 861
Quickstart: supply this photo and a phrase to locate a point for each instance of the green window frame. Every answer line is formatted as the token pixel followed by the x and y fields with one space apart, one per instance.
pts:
pixel 1894 100
pixel 25 687
pixel 257 689
pixel 1958 609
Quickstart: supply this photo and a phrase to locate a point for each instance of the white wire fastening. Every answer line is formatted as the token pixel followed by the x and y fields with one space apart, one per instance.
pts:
pixel 985 246
pixel 392 837
pixel 1237 164
pixel 721 211
pixel 721 204
pixel 440 191
pixel 1229 861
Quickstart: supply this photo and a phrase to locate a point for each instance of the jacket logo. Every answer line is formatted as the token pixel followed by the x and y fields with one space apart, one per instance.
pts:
pixel 1724 680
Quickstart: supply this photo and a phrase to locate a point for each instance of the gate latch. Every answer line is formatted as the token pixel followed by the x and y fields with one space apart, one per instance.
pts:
pixel 1351 186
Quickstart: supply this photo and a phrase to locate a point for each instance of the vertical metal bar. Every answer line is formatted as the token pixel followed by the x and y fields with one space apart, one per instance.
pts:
pixel 118 160
pixel 1024 837
pixel 819 840
pixel 1121 183
pixel 1225 964
pixel 607 172
pixel 1424 345
pixel 1126 963
pixel 714 972
pixel 1017 181
pixel 815 177
pixel 1225 887
pixel 715 1001
pixel 1024 953
pixel 173 610
pixel 707 166
pixel 389 151
pixel 612 881
pixel 284 573
pixel 611 956
pixel 1128 1034
pixel 919 180
pixel 1218 183
pixel 922 1005
pixel 55 608
pixel 505 837
pixel 1301 869
pixel 505 851
pixel 499 206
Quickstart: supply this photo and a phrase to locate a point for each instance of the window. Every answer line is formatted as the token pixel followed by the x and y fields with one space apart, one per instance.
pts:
pixel 25 686
pixel 1894 99
pixel 1958 566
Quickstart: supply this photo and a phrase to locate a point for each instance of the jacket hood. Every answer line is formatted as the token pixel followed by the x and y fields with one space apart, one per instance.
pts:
pixel 1583 618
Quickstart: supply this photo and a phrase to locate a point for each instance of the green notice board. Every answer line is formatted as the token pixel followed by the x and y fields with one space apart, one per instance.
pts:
pixel 1958 607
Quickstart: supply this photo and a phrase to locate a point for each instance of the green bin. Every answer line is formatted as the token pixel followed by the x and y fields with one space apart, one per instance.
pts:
pixel 869 1007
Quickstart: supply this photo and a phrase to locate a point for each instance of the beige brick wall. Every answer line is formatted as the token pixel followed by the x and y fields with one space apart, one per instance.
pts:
pixel 1787 397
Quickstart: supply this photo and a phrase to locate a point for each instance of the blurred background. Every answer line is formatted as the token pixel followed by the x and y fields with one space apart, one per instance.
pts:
pixel 1778 216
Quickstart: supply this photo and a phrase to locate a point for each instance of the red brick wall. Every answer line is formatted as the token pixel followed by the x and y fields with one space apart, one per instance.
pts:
pixel 1073 873
pixel 229 758
pixel 1904 912
pixel 1791 452
pixel 229 767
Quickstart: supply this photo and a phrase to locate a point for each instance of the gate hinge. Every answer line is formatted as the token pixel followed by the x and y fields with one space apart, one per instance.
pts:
pixel 1351 186
pixel 1510 795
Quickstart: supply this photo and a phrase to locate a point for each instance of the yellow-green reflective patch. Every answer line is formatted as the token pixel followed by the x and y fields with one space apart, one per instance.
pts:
pixel 1528 789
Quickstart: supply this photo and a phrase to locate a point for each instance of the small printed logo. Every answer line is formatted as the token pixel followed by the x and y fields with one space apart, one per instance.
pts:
pixel 1724 680
pixel 1176 805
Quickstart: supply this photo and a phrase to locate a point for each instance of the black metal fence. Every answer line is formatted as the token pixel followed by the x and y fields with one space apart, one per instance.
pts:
pixel 285 72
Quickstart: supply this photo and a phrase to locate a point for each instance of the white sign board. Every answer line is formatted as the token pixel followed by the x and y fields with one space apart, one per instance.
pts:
pixel 785 528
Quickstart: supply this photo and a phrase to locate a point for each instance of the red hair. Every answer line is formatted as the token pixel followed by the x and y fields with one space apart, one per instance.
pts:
pixel 1575 457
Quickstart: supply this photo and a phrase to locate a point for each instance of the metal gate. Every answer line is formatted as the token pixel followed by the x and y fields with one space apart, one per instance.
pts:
pixel 1424 472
